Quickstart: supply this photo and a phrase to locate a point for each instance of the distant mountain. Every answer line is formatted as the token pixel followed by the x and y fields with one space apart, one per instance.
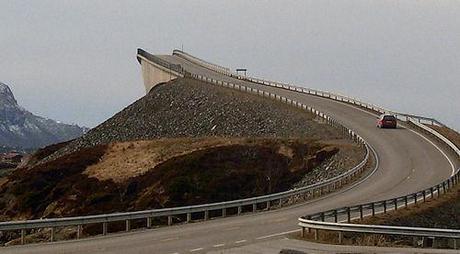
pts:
pixel 20 128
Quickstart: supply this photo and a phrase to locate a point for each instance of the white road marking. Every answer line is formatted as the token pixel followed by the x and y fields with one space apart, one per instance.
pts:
pixel 278 234
pixel 240 241
pixel 439 149
pixel 197 249
pixel 169 239
pixel 218 245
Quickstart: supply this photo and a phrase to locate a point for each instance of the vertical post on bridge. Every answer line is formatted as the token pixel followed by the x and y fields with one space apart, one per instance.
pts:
pixel 128 225
pixel 52 234
pixel 104 228
pixel 79 231
pixel 23 236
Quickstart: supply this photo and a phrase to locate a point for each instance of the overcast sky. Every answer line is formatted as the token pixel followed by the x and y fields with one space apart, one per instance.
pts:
pixel 74 61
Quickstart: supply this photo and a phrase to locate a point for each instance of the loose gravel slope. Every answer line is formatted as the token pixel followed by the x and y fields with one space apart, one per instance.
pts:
pixel 190 108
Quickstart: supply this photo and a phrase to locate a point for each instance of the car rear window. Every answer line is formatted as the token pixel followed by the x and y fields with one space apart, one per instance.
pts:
pixel 389 118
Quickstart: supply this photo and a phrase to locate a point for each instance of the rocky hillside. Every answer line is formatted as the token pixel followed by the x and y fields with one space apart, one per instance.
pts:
pixel 190 108
pixel 21 129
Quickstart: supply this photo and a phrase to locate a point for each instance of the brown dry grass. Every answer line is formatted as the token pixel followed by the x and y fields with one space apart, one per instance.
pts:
pixel 130 159
pixel 125 160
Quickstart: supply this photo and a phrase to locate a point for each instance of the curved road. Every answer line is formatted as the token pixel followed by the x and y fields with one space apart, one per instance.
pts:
pixel 408 162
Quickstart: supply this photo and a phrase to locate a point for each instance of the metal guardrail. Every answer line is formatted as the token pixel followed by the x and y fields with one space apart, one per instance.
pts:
pixel 324 94
pixel 371 209
pixel 318 221
pixel 268 201
pixel 343 98
pixel 201 62
pixel 174 67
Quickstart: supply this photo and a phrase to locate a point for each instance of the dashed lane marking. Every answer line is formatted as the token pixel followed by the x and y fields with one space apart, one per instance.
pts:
pixel 218 245
pixel 197 249
pixel 169 239
pixel 241 241
pixel 278 234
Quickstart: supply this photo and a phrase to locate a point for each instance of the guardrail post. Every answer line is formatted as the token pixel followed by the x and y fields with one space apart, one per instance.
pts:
pixel 170 220
pixel 322 216
pixel 438 189
pixel 224 212
pixel 52 234
pixel 444 187
pixel 239 210
pixel 361 212
pixel 302 232
pixel 78 231
pixel 149 222
pixel 268 205
pixel 189 217
pixel 23 236
pixel 206 215
pixel 384 206
pixel 340 237
pixel 335 216
pixel 104 228
pixel 254 207
pixel 373 209
pixel 431 192
pixel 396 203
pixel 127 225
pixel 348 214
pixel 415 198
pixel 405 201
pixel 424 196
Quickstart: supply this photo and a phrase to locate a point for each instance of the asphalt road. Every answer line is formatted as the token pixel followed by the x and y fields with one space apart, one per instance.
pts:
pixel 408 162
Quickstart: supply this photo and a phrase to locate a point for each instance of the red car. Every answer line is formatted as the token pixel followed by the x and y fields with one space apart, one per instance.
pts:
pixel 387 121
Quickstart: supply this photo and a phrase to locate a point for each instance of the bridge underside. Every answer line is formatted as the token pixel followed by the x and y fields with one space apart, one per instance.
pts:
pixel 154 74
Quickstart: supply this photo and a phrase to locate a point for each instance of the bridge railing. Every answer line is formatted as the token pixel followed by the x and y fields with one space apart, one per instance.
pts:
pixel 201 62
pixel 330 220
pixel 254 203
pixel 343 98
pixel 317 221
pixel 174 67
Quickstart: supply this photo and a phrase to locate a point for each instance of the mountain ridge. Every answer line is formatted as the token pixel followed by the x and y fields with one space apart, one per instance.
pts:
pixel 21 128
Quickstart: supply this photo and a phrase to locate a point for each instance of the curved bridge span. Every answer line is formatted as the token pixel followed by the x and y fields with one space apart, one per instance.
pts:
pixel 408 161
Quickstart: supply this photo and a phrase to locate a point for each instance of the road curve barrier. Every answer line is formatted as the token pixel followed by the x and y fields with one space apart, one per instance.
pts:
pixel 331 220
pixel 419 123
pixel 203 212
